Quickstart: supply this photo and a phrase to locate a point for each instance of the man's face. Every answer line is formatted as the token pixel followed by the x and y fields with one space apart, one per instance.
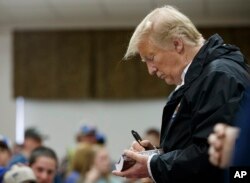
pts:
pixel 31 143
pixel 167 64
pixel 44 169
pixel 90 138
pixel 4 156
pixel 102 161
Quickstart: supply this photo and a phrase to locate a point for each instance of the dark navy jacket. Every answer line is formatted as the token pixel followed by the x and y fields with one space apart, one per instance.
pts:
pixel 242 148
pixel 214 86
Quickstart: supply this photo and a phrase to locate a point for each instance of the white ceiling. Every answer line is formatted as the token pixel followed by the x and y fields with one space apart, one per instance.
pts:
pixel 116 13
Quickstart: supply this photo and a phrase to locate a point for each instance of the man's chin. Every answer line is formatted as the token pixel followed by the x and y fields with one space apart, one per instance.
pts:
pixel 169 82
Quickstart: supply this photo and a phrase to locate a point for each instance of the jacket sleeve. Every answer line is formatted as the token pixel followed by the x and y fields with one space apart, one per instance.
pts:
pixel 216 99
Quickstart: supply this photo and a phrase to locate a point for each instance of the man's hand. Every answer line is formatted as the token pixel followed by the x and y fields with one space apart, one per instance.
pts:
pixel 138 148
pixel 139 169
pixel 222 142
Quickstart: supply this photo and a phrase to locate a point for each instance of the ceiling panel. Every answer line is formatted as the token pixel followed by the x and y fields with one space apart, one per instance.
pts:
pixel 236 8
pixel 77 9
pixel 117 12
pixel 132 10
pixel 189 7
pixel 27 10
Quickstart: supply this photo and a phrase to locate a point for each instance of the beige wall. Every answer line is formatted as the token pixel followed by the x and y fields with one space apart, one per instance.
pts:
pixel 61 119
pixel 7 103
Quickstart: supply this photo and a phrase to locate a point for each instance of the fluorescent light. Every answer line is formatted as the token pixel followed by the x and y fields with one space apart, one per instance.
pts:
pixel 20 120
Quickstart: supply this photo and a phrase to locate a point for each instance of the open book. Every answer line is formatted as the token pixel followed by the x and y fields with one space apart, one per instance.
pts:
pixel 125 163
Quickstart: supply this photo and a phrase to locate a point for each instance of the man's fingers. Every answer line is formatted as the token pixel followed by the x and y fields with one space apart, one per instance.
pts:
pixel 212 152
pixel 131 154
pixel 136 146
pixel 135 156
pixel 214 161
pixel 147 143
pixel 214 156
pixel 216 142
pixel 220 129
pixel 212 138
pixel 118 173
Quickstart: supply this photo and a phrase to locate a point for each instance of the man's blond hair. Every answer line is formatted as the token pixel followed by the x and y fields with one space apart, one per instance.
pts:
pixel 160 26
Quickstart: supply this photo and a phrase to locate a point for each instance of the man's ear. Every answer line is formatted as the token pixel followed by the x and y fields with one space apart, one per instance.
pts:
pixel 178 45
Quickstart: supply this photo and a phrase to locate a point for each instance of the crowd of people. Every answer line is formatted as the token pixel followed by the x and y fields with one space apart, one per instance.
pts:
pixel 88 162
pixel 28 162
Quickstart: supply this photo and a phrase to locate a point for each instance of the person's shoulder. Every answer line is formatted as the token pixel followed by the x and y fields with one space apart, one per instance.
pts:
pixel 18 158
pixel 219 65
pixel 73 176
pixel 115 179
pixel 111 179
pixel 225 68
pixel 3 170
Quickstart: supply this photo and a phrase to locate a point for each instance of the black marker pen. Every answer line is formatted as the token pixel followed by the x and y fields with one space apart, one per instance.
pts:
pixel 138 139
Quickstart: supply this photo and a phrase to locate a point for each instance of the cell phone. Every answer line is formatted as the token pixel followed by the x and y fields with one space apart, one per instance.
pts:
pixel 138 138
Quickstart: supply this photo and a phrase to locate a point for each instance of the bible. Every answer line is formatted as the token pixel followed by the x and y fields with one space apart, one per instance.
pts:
pixel 125 162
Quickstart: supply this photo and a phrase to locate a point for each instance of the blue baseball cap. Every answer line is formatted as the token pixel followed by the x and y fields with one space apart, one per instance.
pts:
pixel 100 138
pixel 87 130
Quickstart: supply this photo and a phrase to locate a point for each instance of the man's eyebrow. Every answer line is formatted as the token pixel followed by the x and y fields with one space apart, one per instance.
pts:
pixel 143 59
pixel 147 58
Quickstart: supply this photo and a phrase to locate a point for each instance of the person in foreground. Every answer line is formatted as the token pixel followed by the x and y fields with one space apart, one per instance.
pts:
pixel 210 79
pixel 19 173
pixel 222 143
pixel 43 161
pixel 229 144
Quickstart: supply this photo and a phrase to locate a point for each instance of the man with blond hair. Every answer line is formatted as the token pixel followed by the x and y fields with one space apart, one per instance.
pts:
pixel 210 79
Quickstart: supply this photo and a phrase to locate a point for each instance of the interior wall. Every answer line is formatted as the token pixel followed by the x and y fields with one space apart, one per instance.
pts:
pixel 61 120
pixel 7 103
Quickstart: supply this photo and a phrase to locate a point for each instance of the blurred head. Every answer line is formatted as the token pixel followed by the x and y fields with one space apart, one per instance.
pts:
pixel 87 134
pixel 162 40
pixel 100 139
pixel 83 158
pixel 43 162
pixel 102 160
pixel 153 135
pixel 20 174
pixel 33 138
pixel 5 151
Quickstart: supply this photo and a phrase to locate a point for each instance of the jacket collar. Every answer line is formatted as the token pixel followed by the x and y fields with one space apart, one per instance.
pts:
pixel 206 54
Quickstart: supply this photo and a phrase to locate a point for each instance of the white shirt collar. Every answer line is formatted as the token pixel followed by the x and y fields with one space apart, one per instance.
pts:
pixel 183 76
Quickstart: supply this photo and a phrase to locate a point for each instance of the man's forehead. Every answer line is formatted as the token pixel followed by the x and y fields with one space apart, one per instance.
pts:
pixel 44 167
pixel 145 47
pixel 45 160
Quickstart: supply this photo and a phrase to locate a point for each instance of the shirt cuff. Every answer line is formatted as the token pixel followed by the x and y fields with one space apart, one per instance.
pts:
pixel 148 166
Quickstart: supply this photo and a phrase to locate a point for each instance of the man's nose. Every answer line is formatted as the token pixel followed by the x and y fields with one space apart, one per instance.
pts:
pixel 44 176
pixel 151 68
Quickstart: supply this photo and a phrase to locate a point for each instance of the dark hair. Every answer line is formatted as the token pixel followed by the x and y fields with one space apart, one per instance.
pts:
pixel 4 145
pixel 35 134
pixel 41 152
pixel 153 131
